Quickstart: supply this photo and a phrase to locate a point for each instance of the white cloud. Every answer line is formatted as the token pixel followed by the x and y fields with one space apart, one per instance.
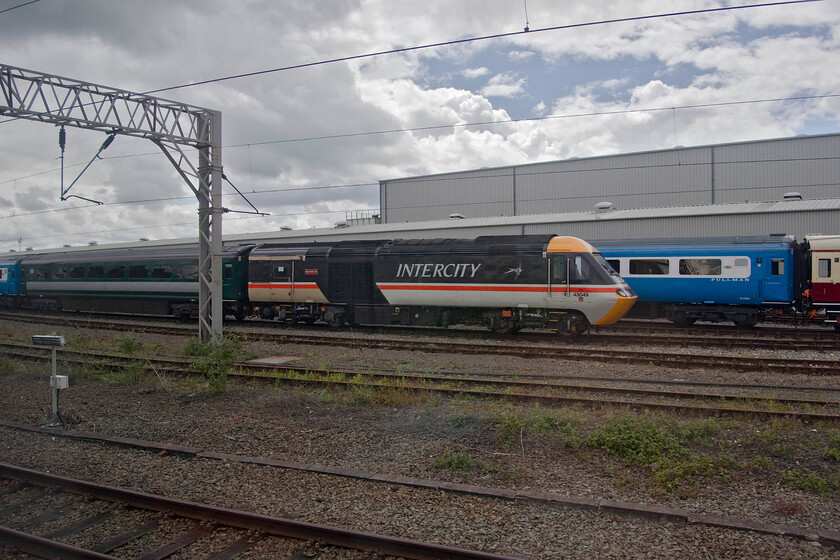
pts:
pixel 343 109
pixel 504 85
pixel 475 72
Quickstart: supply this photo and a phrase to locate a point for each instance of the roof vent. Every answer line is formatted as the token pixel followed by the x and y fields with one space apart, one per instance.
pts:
pixel 456 216
pixel 604 206
pixel 793 195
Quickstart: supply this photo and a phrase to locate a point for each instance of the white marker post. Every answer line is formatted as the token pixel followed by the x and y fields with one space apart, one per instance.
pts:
pixel 57 382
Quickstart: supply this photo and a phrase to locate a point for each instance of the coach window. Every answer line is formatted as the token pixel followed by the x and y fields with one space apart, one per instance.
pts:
pixel 700 267
pixel 228 271
pixel 96 272
pixel 649 266
pixel 60 272
pixel 116 272
pixel 616 264
pixel 824 268
pixel 558 269
pixel 138 271
pixel 580 270
pixel 162 271
pixel 777 267
pixel 77 272
pixel 186 271
pixel 40 273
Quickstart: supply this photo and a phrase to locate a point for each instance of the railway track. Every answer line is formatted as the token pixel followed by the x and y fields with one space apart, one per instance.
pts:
pixel 629 332
pixel 21 489
pixel 57 517
pixel 520 348
pixel 808 404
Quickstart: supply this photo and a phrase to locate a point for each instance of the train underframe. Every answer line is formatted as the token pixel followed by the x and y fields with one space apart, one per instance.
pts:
pixel 502 321
pixel 687 314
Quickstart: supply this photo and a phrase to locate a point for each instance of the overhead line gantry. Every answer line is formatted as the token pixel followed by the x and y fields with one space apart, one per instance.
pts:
pixel 172 126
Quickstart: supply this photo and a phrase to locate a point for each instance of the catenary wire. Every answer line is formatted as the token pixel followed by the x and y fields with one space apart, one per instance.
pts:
pixel 480 38
pixel 18 6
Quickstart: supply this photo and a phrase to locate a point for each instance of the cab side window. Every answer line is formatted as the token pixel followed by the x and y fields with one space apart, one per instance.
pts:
pixel 580 270
pixel 558 269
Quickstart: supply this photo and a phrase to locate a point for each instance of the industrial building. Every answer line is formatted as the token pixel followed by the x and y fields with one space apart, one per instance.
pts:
pixel 787 186
pixel 724 189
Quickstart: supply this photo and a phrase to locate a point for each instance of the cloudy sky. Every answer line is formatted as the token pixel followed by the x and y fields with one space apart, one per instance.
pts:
pixel 308 145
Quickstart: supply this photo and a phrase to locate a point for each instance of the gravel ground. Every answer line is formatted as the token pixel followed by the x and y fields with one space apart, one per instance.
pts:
pixel 409 437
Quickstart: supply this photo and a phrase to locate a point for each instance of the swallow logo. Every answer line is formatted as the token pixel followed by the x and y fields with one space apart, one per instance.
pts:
pixel 515 271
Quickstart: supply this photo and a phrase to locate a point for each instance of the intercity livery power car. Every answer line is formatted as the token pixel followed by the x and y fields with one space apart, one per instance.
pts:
pixel 504 282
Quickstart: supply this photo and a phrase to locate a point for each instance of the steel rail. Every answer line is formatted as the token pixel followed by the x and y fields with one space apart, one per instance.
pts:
pixel 463 378
pixel 698 337
pixel 345 538
pixel 442 384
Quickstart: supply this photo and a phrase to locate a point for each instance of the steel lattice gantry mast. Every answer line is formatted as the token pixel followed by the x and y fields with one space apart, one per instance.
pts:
pixel 172 126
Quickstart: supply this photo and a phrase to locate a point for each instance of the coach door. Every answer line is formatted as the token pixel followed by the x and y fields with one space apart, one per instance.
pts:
pixel 282 279
pixel 825 277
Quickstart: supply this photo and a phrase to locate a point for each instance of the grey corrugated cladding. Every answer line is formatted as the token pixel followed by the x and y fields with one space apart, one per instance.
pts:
pixel 724 173
pixel 795 217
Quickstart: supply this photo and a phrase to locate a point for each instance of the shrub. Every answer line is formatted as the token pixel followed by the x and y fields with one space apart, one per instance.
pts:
pixel 128 344
pixel 639 441
pixel 215 359
pixel 457 461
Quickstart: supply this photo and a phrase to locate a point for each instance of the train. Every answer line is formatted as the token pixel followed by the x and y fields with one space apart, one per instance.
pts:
pixel 506 283
pixel 742 280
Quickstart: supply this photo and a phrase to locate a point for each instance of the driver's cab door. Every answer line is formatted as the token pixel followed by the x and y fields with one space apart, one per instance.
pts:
pixel 558 276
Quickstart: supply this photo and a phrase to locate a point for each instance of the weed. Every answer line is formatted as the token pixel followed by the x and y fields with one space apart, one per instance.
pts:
pixel 832 454
pixel 807 481
pixel 78 341
pixel 762 462
pixel 134 373
pixel 635 439
pixel 543 423
pixel 214 360
pixel 789 507
pixel 698 431
pixel 6 366
pixel 128 344
pixel 457 461
pixel 362 395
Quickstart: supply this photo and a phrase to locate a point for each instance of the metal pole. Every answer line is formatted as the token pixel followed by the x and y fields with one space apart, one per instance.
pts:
pixel 205 252
pixel 216 233
pixel 54 385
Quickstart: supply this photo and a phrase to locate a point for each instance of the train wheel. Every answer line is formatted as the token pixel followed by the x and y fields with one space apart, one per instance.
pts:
pixel 502 326
pixel 239 313
pixel 682 320
pixel 744 321
pixel 573 324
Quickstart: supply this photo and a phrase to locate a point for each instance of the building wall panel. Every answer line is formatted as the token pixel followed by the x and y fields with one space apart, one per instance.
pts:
pixel 726 173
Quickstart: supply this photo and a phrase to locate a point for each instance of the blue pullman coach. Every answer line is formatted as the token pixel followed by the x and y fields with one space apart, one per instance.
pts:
pixel 708 279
